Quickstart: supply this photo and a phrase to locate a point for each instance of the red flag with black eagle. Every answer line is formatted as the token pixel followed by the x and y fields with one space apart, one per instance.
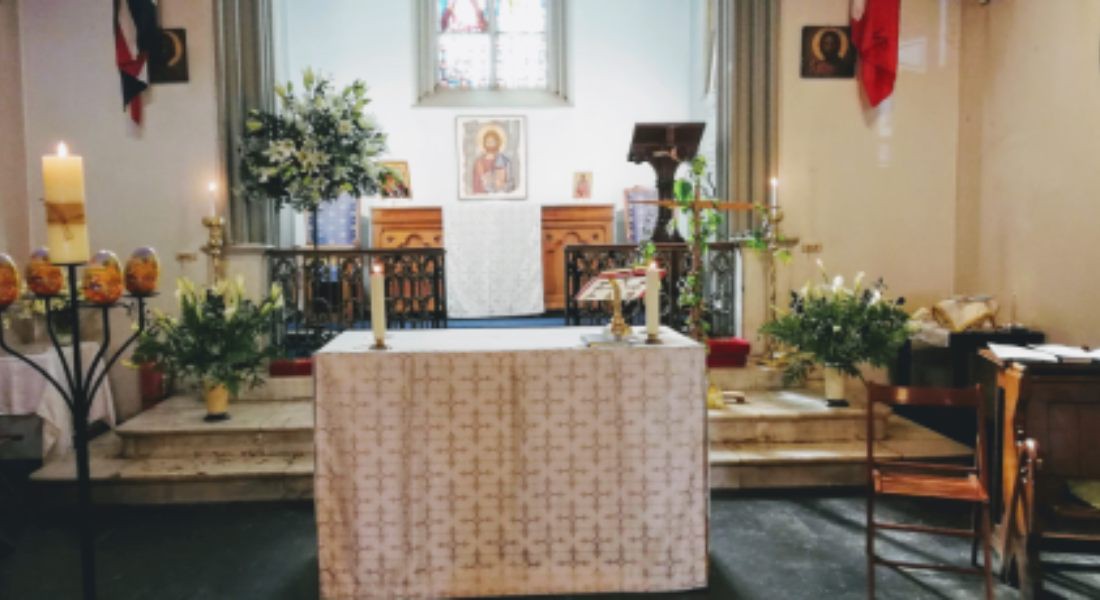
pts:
pixel 875 35
pixel 136 37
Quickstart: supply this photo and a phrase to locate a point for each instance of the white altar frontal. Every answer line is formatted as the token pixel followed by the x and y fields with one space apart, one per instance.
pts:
pixel 470 463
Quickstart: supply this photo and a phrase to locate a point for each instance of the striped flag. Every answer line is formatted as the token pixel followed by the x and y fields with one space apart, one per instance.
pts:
pixel 875 35
pixel 136 37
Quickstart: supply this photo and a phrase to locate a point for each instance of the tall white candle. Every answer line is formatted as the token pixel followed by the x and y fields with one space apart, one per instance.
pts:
pixel 652 300
pixel 773 194
pixel 66 222
pixel 378 303
pixel 212 188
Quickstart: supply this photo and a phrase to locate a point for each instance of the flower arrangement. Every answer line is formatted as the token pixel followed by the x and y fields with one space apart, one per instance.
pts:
pixel 218 338
pixel 840 327
pixel 317 147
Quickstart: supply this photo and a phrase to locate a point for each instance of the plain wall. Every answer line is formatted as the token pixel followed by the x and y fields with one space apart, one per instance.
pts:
pixel 1029 186
pixel 147 186
pixel 13 187
pixel 628 61
pixel 875 187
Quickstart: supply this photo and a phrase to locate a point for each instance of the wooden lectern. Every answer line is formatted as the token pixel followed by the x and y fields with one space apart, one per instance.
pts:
pixel 664 146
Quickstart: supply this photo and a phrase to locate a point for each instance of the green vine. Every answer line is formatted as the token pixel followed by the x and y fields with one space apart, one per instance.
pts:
pixel 760 241
pixel 706 222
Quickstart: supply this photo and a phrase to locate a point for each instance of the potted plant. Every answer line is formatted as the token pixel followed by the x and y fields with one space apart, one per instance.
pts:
pixel 219 340
pixel 839 328
pixel 317 147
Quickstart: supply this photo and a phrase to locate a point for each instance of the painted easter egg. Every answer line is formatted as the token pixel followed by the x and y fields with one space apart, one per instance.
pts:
pixel 9 281
pixel 43 277
pixel 143 272
pixel 102 283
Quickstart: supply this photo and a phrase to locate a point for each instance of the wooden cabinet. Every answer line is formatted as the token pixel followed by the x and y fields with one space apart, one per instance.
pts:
pixel 568 226
pixel 407 227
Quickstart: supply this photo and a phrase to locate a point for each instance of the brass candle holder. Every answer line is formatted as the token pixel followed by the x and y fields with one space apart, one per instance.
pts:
pixel 379 344
pixel 215 244
pixel 619 328
pixel 771 356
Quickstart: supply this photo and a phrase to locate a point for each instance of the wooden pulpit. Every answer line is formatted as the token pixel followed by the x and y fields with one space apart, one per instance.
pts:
pixel 664 146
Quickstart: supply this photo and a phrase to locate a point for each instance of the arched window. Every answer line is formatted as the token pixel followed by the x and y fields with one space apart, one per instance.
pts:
pixel 491 52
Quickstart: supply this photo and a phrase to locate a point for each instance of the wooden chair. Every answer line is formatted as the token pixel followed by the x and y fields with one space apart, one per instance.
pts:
pixel 929 480
pixel 1041 513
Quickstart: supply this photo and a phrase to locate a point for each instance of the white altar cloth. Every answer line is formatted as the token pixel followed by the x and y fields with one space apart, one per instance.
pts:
pixel 471 463
pixel 23 391
pixel 494 259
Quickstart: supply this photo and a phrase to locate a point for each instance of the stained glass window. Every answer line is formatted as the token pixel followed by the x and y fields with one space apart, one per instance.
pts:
pixel 494 45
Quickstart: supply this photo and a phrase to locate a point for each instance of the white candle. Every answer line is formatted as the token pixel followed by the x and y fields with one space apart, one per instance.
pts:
pixel 652 300
pixel 773 194
pixel 212 187
pixel 66 222
pixel 378 303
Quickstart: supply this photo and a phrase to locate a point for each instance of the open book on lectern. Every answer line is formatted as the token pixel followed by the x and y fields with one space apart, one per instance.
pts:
pixel 631 282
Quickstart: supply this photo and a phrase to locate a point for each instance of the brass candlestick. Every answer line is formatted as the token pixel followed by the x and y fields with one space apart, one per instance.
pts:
pixel 771 356
pixel 215 244
pixel 619 328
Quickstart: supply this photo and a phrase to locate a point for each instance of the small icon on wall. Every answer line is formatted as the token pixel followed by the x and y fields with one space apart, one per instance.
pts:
pixel 169 64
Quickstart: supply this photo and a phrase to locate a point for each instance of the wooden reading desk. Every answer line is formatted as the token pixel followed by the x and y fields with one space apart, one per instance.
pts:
pixel 1058 406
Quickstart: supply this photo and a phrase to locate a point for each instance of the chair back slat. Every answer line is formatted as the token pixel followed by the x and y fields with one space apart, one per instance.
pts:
pixel 968 397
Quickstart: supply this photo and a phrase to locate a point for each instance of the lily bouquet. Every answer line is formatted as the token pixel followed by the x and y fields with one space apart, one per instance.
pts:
pixel 840 327
pixel 318 146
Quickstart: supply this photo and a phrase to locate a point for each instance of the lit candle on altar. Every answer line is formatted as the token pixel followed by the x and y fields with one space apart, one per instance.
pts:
pixel 212 187
pixel 773 194
pixel 652 300
pixel 66 223
pixel 378 304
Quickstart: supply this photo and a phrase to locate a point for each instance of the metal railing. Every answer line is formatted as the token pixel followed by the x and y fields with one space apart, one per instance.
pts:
pixel 327 291
pixel 583 263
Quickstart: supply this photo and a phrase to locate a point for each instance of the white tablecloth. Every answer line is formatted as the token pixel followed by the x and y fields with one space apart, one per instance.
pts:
pixel 494 259
pixel 509 462
pixel 23 391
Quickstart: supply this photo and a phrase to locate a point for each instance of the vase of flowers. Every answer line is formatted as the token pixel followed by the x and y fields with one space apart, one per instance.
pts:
pixel 839 328
pixel 219 340
pixel 319 145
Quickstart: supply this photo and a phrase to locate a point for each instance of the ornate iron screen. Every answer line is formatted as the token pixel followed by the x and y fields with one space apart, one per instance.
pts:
pixel 582 263
pixel 327 292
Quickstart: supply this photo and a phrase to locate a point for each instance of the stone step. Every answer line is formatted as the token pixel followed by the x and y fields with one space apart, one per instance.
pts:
pixel 790 416
pixel 175 429
pixel 747 378
pixel 200 479
pixel 755 465
pixel 279 389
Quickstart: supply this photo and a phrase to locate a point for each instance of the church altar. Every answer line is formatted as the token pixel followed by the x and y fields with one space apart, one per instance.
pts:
pixel 463 462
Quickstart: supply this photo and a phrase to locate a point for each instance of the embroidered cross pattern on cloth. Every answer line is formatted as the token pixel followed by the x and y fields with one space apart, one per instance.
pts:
pixel 461 464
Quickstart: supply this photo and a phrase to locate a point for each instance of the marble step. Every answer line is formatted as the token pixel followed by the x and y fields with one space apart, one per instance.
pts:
pixel 175 429
pixel 747 378
pixel 790 416
pixel 757 465
pixel 197 479
pixel 279 389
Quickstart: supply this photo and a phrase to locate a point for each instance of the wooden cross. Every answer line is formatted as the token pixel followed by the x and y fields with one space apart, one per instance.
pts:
pixel 700 203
